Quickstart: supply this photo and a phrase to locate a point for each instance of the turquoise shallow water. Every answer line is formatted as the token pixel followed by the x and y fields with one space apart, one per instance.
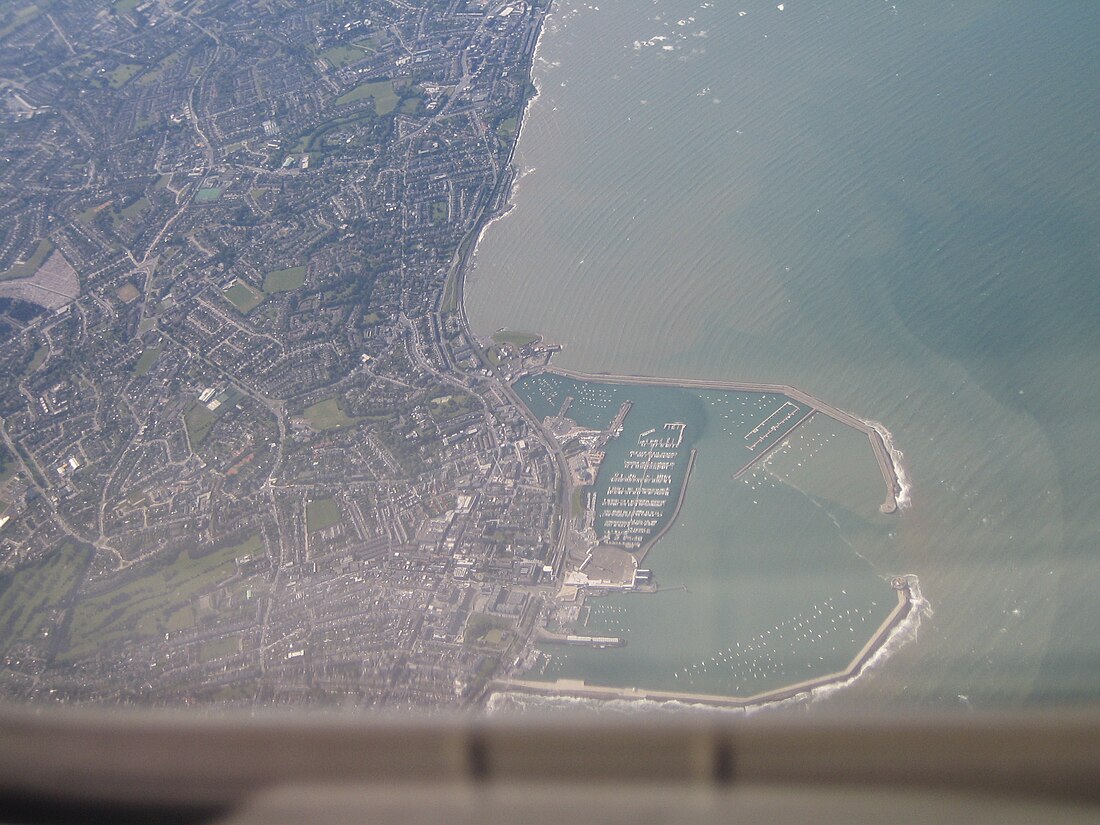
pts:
pixel 895 207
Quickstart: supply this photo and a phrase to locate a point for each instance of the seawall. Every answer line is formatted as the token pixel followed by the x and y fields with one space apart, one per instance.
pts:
pixel 878 446
pixel 578 689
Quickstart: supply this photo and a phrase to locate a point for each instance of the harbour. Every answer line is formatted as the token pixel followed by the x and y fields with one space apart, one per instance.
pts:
pixel 578 689
pixel 805 199
pixel 649 455
pixel 873 431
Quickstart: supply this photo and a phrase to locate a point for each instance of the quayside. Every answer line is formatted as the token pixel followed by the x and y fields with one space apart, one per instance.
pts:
pixel 749 505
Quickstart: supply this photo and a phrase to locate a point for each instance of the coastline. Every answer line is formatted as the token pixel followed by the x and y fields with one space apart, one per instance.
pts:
pixel 502 201
pixel 904 618
pixel 896 629
pixel 886 455
pixel 990 474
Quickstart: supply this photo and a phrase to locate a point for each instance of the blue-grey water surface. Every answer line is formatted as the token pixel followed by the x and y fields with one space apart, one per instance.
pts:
pixel 892 205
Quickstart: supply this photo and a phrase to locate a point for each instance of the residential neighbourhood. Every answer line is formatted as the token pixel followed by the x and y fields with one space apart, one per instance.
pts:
pixel 252 454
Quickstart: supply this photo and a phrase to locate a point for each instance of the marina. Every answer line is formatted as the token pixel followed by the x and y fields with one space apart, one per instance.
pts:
pixel 815 203
pixel 652 458
pixel 873 431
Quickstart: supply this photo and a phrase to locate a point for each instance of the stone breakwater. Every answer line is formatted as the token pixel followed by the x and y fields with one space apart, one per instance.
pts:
pixel 909 601
pixel 886 458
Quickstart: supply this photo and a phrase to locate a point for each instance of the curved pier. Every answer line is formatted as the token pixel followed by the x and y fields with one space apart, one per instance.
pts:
pixel 878 444
pixel 578 689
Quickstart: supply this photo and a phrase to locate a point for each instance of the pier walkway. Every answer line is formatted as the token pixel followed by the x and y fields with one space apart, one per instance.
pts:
pixel 549 637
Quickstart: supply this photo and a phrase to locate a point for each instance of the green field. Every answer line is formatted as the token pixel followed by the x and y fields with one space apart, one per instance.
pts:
pixel 344 55
pixel 28 595
pixel 327 415
pixel 385 101
pixel 123 74
pixel 450 295
pixel 284 280
pixel 132 213
pixel 88 215
pixel 30 266
pixel 264 197
pixel 199 421
pixel 244 296
pixel 136 209
pixel 480 625
pixel 8 467
pixel 208 194
pixel 321 513
pixel 146 361
pixel 128 293
pixel 153 75
pixel 21 16
pixel 340 56
pixel 576 502
pixel 217 648
pixel 516 339
pixel 38 359
pixel 158 602
pixel 440 211
pixel 447 406
pixel 314 140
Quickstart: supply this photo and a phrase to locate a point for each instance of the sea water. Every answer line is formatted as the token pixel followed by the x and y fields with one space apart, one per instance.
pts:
pixel 894 206
pixel 762 581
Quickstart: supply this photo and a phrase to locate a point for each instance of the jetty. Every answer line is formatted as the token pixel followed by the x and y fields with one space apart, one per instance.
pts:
pixel 874 435
pixel 756 459
pixel 565 405
pixel 549 637
pixel 615 428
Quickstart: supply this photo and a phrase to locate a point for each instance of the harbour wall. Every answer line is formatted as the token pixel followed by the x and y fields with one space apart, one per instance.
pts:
pixel 878 445
pixel 578 689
